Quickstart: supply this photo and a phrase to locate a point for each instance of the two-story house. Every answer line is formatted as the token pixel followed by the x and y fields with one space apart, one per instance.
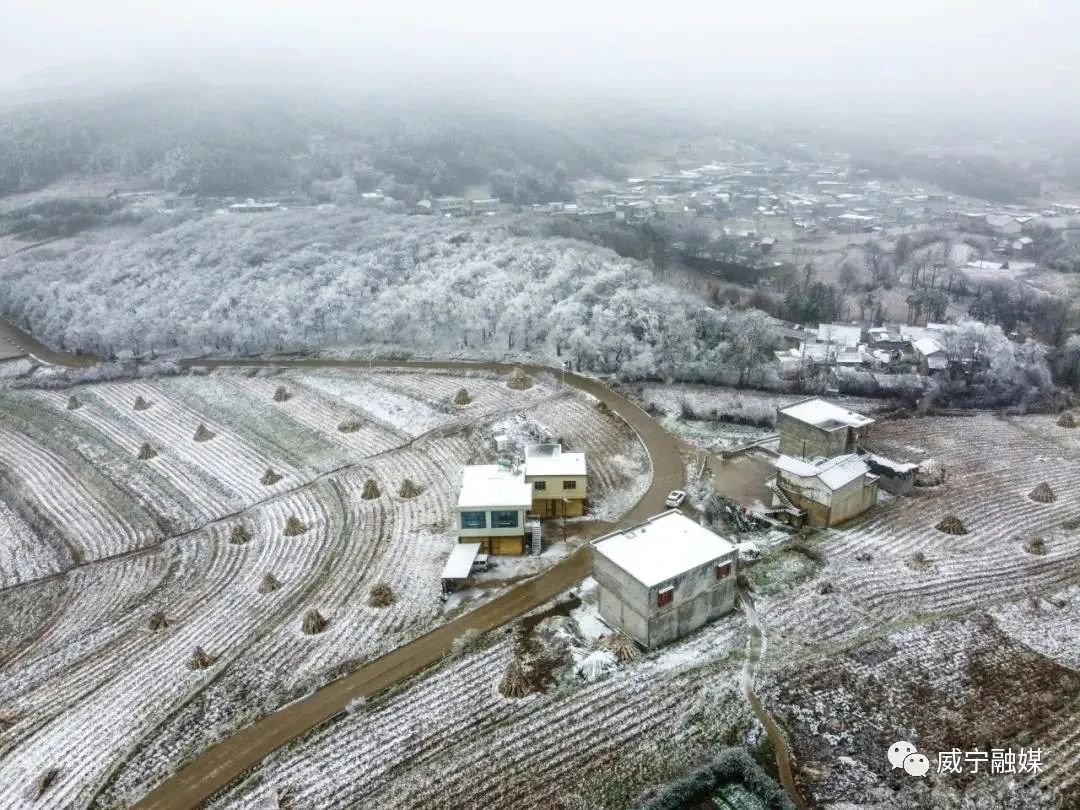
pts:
pixel 663 578
pixel 815 428
pixel 491 508
pixel 559 481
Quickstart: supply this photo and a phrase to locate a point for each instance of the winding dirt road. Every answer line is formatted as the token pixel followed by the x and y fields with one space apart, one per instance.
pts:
pixel 31 346
pixel 225 762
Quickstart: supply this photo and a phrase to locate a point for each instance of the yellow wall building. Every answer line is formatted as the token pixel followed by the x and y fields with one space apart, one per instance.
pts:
pixel 559 481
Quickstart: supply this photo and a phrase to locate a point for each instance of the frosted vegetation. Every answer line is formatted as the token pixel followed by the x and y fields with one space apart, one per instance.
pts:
pixel 307 280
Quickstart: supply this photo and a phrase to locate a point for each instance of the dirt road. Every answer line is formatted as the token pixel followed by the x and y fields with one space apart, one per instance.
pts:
pixel 754 646
pixel 220 765
pixel 28 345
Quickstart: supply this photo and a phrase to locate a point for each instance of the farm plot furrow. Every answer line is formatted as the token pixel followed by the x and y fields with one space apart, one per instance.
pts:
pixel 402 414
pixel 91 528
pixel 1049 625
pixel 226 458
pixel 312 408
pixel 116 716
pixel 194 496
pixel 488 393
pixel 23 555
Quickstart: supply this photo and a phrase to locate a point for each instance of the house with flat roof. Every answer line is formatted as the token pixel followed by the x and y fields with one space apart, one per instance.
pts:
pixel 664 578
pixel 559 481
pixel 829 491
pixel 491 508
pixel 816 428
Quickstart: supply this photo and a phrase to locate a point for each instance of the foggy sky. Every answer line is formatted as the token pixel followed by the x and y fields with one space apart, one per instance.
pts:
pixel 988 56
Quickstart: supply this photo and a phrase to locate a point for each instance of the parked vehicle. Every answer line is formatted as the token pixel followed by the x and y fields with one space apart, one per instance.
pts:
pixel 675 499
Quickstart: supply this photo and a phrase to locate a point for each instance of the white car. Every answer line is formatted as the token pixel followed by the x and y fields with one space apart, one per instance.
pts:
pixel 675 499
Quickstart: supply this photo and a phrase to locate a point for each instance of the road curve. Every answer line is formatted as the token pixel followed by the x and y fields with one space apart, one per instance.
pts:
pixel 31 346
pixel 230 759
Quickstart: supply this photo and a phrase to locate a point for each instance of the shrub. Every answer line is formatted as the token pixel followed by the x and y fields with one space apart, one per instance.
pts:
pixel 918 562
pixel 269 478
pixel 146 452
pixel 409 489
pixel 158 621
pixel 294 526
pixel 73 403
pixel 269 583
pixel 44 781
pixel 462 397
pixel 951 524
pixel 931 473
pixel 313 622
pixel 468 642
pixel 381 595
pixel 350 426
pixel 826 587
pixel 371 490
pixel 730 765
pixel 1035 545
pixel 203 434
pixel 200 659
pixel 239 535
pixel 141 404
pixel 519 380
pixel 281 394
pixel 1066 420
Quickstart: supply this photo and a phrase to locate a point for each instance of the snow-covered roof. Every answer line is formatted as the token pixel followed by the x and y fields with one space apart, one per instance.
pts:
pixel 927 346
pixel 662 547
pixel 899 467
pixel 459 564
pixel 488 485
pixel 549 459
pixel 825 415
pixel 835 473
pixel 842 334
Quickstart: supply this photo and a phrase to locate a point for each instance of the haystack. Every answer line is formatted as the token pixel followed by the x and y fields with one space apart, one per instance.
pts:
pixel 269 584
pixel 269 477
pixel 313 622
pixel 146 452
pixel 43 782
pixel 294 526
pixel 462 397
pixel 622 647
pixel 371 490
pixel 382 595
pixel 409 489
pixel 919 561
pixel 519 380
pixel 239 535
pixel 1035 545
pixel 158 621
pixel 931 473
pixel 1066 420
pixel 514 684
pixel 281 394
pixel 199 659
pixel 73 403
pixel 596 665
pixel 350 426
pixel 1042 494
pixel 951 524
pixel 203 434
pixel 826 587
pixel 141 404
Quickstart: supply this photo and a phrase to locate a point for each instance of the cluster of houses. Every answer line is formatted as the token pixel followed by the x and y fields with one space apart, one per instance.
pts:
pixel 657 581
pixel 896 348
pixel 824 475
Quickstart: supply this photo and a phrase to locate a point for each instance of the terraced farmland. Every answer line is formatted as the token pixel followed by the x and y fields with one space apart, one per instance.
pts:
pixel 138 624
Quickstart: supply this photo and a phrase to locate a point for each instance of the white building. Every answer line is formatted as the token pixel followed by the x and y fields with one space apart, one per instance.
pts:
pixel 491 508
pixel 829 491
pixel 663 578
pixel 559 481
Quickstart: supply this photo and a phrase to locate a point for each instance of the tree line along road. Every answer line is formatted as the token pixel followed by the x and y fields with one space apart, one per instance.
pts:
pixel 223 763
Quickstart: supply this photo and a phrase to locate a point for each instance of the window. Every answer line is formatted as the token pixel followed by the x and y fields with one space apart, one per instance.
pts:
pixel 665 596
pixel 504 520
pixel 474 520
pixel 723 571
pixel 539 486
pixel 569 484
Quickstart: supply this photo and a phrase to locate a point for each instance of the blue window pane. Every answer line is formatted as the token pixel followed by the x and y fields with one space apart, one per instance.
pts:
pixel 473 520
pixel 504 520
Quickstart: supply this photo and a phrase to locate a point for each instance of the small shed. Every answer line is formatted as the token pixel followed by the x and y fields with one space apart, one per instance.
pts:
pixel 459 565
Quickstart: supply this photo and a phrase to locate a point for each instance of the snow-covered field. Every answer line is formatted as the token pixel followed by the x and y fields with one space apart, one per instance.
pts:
pixel 98 546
